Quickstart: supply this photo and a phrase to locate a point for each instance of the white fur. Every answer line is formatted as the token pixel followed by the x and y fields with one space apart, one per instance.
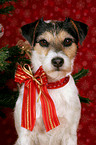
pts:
pixel 67 106
pixel 45 61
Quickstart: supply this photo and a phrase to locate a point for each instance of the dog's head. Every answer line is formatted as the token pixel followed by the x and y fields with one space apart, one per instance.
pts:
pixel 55 45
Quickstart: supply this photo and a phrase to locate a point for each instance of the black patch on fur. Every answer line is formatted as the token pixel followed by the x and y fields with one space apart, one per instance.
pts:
pixel 82 29
pixel 28 30
pixel 41 28
pixel 68 26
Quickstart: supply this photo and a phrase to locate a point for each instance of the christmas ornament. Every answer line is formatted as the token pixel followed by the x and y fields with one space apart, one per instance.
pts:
pixel 25 47
pixel 1 30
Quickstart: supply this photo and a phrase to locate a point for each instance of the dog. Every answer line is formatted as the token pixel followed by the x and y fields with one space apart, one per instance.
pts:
pixel 54 47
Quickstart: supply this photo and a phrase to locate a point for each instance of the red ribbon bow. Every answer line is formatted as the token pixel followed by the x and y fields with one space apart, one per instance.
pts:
pixel 38 81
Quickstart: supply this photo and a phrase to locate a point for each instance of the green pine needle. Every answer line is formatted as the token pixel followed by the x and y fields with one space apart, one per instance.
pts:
pixel 8 97
pixel 3 56
pixel 84 100
pixel 6 10
pixel 12 55
pixel 83 72
pixel 9 61
pixel 4 1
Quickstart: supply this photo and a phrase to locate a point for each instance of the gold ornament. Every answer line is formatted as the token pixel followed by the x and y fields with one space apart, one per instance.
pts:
pixel 25 46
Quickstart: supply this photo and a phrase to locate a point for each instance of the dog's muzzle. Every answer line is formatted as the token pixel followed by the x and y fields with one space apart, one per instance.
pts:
pixel 57 62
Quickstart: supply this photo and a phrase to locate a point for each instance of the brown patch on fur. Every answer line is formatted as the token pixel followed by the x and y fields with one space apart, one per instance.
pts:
pixel 41 50
pixel 47 36
pixel 40 126
pixel 55 75
pixel 71 51
pixel 62 35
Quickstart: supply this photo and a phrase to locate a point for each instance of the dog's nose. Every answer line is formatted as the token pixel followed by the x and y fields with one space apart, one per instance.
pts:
pixel 57 62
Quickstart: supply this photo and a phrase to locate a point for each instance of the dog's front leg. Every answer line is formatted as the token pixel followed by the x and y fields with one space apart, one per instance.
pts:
pixel 70 136
pixel 63 137
pixel 25 137
pixel 71 140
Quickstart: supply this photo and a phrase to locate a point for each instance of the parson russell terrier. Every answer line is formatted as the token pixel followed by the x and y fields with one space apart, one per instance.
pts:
pixel 57 113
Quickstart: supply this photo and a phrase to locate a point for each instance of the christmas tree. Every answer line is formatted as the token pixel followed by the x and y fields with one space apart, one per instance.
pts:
pixel 9 57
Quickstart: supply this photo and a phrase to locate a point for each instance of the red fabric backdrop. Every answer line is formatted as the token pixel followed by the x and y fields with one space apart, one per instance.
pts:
pixel 27 11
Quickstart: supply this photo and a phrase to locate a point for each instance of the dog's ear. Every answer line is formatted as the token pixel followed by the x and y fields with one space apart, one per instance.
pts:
pixel 82 28
pixel 28 30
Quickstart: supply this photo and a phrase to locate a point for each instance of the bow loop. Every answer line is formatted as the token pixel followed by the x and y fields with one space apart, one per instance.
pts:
pixel 21 76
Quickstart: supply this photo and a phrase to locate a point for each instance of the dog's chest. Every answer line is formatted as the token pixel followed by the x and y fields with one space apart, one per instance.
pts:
pixel 64 98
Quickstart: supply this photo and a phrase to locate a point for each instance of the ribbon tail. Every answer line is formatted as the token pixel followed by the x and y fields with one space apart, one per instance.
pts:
pixel 29 106
pixel 48 110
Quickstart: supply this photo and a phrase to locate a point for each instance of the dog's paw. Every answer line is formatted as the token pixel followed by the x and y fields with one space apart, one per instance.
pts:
pixel 24 141
pixel 72 140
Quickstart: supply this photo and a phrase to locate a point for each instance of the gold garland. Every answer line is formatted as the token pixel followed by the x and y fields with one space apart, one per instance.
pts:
pixel 25 46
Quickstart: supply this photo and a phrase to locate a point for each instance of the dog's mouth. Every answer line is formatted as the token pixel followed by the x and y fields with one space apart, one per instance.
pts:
pixel 57 74
pixel 58 69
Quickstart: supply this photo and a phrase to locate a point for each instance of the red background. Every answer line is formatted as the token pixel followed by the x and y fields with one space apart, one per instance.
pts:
pixel 27 11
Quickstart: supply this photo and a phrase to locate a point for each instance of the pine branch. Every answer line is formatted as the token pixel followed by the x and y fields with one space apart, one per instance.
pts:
pixel 10 56
pixel 3 56
pixel 4 1
pixel 84 100
pixel 7 10
pixel 8 97
pixel 9 61
pixel 83 72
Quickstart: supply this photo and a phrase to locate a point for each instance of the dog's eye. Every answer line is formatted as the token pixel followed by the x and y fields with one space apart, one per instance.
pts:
pixel 67 42
pixel 43 43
